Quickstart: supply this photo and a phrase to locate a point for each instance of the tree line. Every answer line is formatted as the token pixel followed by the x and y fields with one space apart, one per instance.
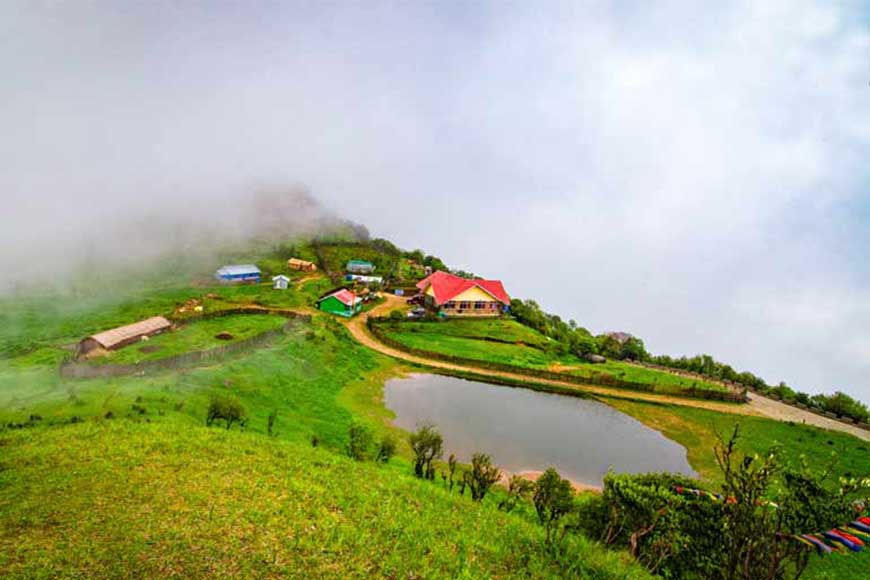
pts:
pixel 570 338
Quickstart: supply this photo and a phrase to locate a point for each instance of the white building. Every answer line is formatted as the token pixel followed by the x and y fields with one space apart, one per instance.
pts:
pixel 280 282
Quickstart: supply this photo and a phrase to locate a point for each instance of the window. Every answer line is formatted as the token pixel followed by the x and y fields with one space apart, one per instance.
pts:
pixel 479 305
pixel 449 305
pixel 464 305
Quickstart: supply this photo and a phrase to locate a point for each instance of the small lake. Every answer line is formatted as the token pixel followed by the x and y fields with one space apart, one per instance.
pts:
pixel 524 430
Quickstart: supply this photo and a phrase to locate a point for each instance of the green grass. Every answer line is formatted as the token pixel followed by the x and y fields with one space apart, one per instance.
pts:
pixel 524 347
pixel 198 335
pixel 129 500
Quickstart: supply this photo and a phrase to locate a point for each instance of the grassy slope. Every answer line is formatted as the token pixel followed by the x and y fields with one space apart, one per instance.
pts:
pixel 464 338
pixel 147 500
pixel 200 335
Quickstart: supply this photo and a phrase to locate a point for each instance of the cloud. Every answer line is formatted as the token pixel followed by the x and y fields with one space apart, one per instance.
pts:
pixel 693 174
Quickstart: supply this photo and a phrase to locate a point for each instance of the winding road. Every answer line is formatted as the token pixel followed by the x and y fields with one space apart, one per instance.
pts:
pixel 757 405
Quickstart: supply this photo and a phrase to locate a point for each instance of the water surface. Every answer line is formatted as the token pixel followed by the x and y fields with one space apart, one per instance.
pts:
pixel 524 430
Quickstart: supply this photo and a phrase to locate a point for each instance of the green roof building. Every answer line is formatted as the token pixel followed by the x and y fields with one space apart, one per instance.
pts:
pixel 343 303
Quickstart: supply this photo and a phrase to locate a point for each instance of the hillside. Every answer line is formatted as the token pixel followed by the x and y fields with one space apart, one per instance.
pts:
pixel 119 477
pixel 124 499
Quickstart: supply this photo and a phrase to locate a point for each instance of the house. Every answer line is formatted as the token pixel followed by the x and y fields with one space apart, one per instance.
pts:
pixel 305 265
pixel 364 279
pixel 280 282
pixel 455 296
pixel 238 273
pixel 341 302
pixel 360 267
pixel 123 335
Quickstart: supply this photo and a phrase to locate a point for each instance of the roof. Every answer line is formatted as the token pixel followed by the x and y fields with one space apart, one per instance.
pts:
pixel 359 263
pixel 281 277
pixel 344 296
pixel 110 338
pixel 446 286
pixel 238 270
pixel 300 262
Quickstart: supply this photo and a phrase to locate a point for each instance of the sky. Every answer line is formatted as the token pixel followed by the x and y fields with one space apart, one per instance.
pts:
pixel 693 173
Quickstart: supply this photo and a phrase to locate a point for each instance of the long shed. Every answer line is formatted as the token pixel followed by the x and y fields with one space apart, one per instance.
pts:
pixel 123 335
pixel 360 267
pixel 238 273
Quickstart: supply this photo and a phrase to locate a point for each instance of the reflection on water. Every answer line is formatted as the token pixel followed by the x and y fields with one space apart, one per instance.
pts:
pixel 524 430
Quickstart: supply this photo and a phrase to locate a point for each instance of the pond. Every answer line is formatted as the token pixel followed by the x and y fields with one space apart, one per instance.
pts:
pixel 524 430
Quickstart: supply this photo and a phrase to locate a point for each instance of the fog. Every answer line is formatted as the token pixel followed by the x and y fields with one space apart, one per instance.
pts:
pixel 693 174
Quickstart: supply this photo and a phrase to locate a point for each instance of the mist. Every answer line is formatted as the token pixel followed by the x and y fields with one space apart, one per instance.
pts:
pixel 695 175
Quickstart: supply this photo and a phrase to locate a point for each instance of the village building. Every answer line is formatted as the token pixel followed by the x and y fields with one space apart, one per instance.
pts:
pixel 360 267
pixel 238 273
pixel 456 296
pixel 304 265
pixel 341 302
pixel 280 282
pixel 123 335
pixel 364 279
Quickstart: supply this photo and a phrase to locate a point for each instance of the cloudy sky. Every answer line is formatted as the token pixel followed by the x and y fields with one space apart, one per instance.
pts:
pixel 693 173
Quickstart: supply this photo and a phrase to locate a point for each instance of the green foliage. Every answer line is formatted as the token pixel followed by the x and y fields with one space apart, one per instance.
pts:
pixel 482 476
pixel 387 449
pixel 553 497
pixel 228 409
pixel 396 315
pixel 360 441
pixel 270 423
pixel 427 446
pixel 519 490
pixel 679 537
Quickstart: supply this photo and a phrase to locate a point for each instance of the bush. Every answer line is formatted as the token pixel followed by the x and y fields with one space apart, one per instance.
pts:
pixel 396 316
pixel 554 499
pixel 223 408
pixel 360 441
pixel 482 477
pixel 519 488
pixel 386 450
pixel 427 445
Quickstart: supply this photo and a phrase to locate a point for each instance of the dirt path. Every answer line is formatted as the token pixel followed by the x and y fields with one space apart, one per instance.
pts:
pixel 758 406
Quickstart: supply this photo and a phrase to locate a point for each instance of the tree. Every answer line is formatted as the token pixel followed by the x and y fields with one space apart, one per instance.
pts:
pixel 360 441
pixel 519 488
pixel 227 409
pixel 427 445
pixel 482 477
pixel 451 469
pixel 553 498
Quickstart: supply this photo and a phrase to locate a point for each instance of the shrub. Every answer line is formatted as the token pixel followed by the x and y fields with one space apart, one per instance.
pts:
pixel 482 477
pixel 226 409
pixel 396 315
pixel 386 450
pixel 554 499
pixel 360 441
pixel 270 422
pixel 427 445
pixel 519 488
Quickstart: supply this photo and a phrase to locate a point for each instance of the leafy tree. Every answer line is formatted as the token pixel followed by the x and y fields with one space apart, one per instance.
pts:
pixel 227 409
pixel 519 489
pixel 427 445
pixel 553 498
pixel 451 470
pixel 360 441
pixel 482 477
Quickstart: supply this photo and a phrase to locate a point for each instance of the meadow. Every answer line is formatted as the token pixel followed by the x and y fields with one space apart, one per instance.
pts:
pixel 245 506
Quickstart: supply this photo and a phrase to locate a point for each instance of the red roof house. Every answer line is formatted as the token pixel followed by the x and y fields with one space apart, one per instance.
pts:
pixel 461 296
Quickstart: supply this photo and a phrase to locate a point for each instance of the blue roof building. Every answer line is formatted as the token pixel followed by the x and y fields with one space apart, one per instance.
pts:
pixel 238 273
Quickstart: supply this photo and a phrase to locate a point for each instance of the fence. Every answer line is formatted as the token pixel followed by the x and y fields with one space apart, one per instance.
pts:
pixel 83 370
pixel 601 379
